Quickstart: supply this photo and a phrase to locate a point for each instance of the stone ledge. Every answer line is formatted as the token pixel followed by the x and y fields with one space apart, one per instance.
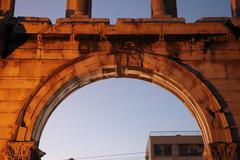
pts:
pixel 79 20
pixel 225 20
pixel 213 19
pixel 151 20
pixel 34 19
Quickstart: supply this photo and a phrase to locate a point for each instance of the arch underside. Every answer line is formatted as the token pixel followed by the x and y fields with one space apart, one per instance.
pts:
pixel 167 73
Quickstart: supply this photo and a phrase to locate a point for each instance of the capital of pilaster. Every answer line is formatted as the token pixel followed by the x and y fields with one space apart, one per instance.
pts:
pixel 24 151
pixel 220 151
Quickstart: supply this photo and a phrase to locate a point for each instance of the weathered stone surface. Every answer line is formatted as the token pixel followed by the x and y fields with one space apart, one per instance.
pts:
pixel 164 8
pixel 14 94
pixel 6 132
pixel 7 119
pixel 79 8
pixel 14 83
pixel 220 151
pixel 235 5
pixel 38 68
pixel 9 68
pixel 227 84
pixel 10 106
pixel 80 20
pixel 24 150
pixel 209 69
pixel 43 63
pixel 150 20
pixel 7 8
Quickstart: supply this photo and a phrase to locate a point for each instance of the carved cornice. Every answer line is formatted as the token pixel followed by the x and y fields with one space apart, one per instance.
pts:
pixel 24 151
pixel 220 151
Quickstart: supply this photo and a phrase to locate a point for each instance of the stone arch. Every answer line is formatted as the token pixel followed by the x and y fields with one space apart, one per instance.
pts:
pixel 159 70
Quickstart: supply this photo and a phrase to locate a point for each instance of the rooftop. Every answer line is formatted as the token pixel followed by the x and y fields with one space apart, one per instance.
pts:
pixel 174 133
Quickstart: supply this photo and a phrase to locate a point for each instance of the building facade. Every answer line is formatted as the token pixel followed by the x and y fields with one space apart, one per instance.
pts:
pixel 175 147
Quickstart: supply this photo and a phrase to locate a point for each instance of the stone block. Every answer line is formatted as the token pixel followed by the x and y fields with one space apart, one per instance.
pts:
pixel 9 68
pixel 79 20
pixel 57 44
pixel 23 54
pixel 220 54
pixel 194 28
pixel 34 19
pixel 10 106
pixel 6 132
pixel 3 156
pixel 233 69
pixel 234 106
pixel 231 96
pixel 17 83
pixel 21 133
pixel 52 54
pixel 14 94
pixel 3 144
pixel 150 20
pixel 160 48
pixel 8 119
pixel 31 24
pixel 214 19
pixel 38 68
pixel 222 84
pixel 209 69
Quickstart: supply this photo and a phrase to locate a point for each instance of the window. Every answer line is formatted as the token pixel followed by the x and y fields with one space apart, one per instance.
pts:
pixel 190 149
pixel 162 149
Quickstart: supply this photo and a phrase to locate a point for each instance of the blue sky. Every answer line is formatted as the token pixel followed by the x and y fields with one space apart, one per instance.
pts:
pixel 115 116
pixel 190 9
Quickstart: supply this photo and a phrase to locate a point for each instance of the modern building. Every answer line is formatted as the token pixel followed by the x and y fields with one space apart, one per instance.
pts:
pixel 175 146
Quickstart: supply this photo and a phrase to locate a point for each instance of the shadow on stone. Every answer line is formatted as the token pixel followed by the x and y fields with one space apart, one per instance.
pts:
pixel 8 40
pixel 224 105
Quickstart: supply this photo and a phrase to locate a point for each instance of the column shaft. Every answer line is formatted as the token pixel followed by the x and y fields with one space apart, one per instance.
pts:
pixel 235 6
pixel 7 8
pixel 164 8
pixel 79 8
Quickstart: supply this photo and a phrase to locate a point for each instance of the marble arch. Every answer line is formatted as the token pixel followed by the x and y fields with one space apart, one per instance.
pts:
pixel 41 63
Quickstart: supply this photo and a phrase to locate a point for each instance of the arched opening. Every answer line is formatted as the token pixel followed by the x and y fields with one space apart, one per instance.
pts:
pixel 112 116
pixel 182 81
pixel 162 71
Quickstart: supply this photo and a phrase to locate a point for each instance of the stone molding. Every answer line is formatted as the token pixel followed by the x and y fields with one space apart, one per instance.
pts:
pixel 220 151
pixel 24 151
